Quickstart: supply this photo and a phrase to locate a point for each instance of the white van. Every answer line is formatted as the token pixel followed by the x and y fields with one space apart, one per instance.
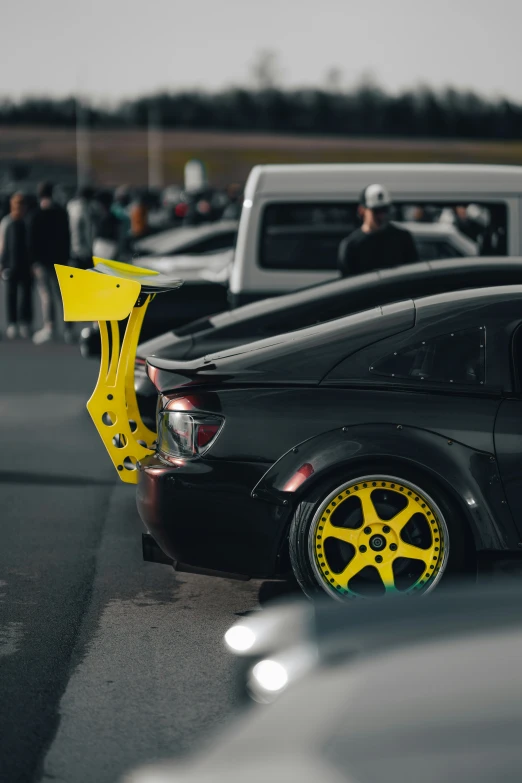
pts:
pixel 295 216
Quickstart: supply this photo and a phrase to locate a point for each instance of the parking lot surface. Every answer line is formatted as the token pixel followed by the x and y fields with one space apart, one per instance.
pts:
pixel 105 661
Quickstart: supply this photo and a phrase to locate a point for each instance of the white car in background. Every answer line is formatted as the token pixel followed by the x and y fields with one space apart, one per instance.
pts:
pixel 189 240
pixel 436 241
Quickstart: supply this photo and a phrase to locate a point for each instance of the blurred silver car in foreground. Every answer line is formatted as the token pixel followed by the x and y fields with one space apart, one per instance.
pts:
pixel 424 689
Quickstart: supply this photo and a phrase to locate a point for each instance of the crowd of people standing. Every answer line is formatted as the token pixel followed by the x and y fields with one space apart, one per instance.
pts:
pixel 38 233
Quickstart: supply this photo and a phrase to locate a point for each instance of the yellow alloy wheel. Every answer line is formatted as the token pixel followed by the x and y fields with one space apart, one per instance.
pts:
pixel 378 535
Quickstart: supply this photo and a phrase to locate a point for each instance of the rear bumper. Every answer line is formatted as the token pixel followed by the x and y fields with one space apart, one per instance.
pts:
pixel 202 515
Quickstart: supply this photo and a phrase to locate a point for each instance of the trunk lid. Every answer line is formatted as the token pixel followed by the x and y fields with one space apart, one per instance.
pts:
pixel 302 357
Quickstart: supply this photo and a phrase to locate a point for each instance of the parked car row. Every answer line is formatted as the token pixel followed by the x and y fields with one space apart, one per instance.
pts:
pixel 356 433
pixel 357 438
pixel 277 315
pixel 295 217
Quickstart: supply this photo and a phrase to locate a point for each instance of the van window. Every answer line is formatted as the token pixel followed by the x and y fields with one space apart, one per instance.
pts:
pixel 457 357
pixel 306 235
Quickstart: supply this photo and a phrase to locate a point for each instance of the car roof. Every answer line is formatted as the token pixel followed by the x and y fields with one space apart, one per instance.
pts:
pixel 448 267
pixel 342 179
pixel 175 238
pixel 469 297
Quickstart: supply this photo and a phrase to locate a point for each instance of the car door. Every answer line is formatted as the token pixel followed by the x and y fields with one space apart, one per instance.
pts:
pixel 508 435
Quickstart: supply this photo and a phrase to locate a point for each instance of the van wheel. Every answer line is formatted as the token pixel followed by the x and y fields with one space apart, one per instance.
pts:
pixel 376 534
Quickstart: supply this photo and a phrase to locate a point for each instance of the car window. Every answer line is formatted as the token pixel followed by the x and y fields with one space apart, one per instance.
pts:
pixel 305 236
pixel 457 357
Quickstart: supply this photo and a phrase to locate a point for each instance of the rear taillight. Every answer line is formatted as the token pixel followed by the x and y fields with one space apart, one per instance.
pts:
pixel 187 435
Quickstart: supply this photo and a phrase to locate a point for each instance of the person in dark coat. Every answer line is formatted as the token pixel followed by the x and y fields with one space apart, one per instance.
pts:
pixel 110 233
pixel 378 244
pixel 15 265
pixel 49 244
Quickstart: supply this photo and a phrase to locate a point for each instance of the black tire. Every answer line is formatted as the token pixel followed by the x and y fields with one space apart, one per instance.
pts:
pixel 461 561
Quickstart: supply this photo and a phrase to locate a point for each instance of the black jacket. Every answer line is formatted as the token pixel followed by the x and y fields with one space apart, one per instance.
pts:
pixel 388 247
pixel 49 238
pixel 15 254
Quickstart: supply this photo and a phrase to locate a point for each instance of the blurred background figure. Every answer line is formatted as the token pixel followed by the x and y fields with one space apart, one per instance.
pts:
pixel 421 214
pixel 110 232
pixel 81 226
pixel 15 264
pixel 232 210
pixel 377 243
pixel 49 244
pixel 139 214
pixel 4 222
pixel 120 207
pixel 200 208
pixel 467 220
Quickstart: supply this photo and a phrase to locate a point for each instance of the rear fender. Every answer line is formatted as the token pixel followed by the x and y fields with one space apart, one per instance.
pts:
pixel 470 477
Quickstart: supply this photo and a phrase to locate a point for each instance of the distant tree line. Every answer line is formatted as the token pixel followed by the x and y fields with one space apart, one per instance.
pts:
pixel 367 110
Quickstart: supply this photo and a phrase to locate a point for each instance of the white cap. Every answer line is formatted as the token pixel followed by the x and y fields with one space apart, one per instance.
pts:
pixel 375 197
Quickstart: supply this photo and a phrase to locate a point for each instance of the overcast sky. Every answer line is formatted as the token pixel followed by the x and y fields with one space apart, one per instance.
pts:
pixel 121 48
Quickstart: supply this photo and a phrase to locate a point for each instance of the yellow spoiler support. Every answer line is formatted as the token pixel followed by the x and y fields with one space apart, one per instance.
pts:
pixel 109 293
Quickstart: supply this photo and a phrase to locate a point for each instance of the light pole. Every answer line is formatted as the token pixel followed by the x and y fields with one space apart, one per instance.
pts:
pixel 83 146
pixel 154 145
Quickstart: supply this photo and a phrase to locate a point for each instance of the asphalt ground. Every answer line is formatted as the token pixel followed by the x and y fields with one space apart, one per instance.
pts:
pixel 105 661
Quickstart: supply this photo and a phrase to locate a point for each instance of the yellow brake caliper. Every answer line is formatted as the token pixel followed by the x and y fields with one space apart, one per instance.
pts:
pixel 110 293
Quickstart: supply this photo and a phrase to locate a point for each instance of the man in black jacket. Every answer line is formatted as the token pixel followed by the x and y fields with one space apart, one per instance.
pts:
pixel 15 267
pixel 378 244
pixel 49 244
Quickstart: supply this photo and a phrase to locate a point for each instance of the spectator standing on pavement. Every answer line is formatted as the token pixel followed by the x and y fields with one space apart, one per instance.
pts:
pixel 377 244
pixel 81 227
pixel 109 234
pixel 3 228
pixel 232 210
pixel 49 244
pixel 15 265
pixel 139 217
pixel 120 207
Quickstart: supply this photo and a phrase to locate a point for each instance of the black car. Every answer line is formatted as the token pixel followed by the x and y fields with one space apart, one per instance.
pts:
pixel 314 305
pixel 374 453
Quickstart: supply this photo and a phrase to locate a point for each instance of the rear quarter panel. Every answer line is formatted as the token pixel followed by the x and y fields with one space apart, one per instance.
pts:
pixel 449 436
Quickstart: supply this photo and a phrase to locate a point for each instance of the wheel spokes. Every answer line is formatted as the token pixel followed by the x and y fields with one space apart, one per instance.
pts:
pixel 413 552
pixel 369 512
pixel 388 578
pixel 354 566
pixel 346 534
pixel 400 520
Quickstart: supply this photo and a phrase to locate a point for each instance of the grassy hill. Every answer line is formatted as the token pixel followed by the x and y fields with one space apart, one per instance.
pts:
pixel 120 156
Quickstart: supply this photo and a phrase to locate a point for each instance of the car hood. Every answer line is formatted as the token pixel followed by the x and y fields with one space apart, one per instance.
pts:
pixel 303 357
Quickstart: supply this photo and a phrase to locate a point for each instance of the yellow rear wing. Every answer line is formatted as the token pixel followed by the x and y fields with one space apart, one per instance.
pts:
pixel 108 293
